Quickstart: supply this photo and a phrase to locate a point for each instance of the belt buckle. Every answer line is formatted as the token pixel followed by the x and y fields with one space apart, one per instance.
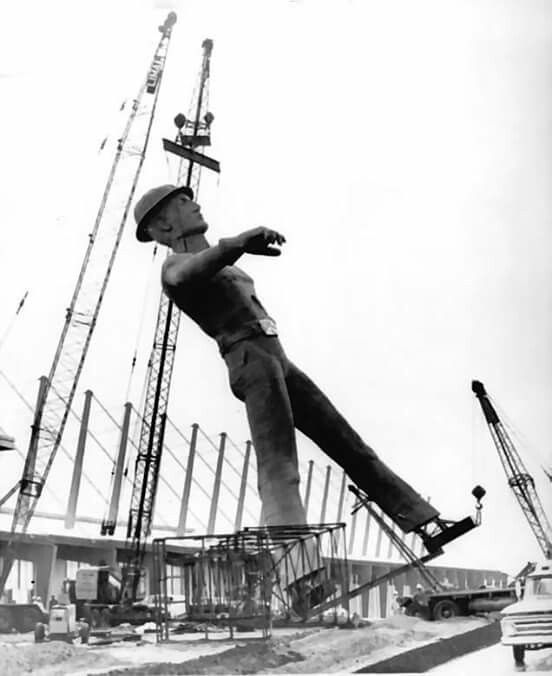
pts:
pixel 268 326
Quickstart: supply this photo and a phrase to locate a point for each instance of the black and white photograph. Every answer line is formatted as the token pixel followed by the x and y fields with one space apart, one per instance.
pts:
pixel 276 337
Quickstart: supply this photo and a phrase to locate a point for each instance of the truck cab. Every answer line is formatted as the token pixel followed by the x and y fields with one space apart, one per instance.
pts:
pixel 527 624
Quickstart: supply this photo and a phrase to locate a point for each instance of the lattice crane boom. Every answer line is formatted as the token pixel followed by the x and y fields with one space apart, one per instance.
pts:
pixel 519 479
pixel 148 459
pixel 57 391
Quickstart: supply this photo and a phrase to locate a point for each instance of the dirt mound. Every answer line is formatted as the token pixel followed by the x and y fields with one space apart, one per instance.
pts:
pixel 316 651
pixel 24 657
pixel 242 659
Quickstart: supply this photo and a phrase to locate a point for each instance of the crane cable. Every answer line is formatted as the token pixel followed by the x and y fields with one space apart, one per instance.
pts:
pixel 137 420
pixel 522 440
pixel 11 323
pixel 141 322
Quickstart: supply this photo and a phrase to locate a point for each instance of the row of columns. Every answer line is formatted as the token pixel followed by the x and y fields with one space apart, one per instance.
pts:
pixel 113 508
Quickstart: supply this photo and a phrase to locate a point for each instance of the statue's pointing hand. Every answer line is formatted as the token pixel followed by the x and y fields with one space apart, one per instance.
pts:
pixel 259 240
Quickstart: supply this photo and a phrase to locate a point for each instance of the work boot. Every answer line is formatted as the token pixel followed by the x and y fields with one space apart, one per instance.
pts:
pixel 439 532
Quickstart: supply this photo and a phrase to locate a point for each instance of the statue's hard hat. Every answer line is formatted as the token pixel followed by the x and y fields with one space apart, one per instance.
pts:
pixel 150 201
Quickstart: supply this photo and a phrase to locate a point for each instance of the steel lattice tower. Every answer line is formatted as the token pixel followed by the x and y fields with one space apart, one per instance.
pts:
pixel 160 365
pixel 58 389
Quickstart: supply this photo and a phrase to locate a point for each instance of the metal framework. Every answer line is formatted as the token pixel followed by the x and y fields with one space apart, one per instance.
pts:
pixel 519 479
pixel 57 392
pixel 160 367
pixel 254 578
pixel 395 540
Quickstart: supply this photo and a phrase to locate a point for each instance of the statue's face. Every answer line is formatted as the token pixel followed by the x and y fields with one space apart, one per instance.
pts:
pixel 178 217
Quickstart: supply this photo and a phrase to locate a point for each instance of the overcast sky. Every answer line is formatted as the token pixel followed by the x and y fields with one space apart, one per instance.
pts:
pixel 404 149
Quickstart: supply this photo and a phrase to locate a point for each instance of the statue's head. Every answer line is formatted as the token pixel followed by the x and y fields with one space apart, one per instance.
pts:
pixel 166 213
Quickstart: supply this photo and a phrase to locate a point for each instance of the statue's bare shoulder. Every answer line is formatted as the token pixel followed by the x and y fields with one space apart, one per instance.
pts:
pixel 173 268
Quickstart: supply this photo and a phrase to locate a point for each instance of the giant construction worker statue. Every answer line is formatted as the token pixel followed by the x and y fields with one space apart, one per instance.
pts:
pixel 204 283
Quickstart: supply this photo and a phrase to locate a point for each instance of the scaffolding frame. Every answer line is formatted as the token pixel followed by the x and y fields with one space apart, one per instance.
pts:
pixel 253 578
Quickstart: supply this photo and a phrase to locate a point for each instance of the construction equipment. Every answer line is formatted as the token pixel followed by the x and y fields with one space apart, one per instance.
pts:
pixel 97 594
pixel 527 624
pixel 20 617
pixel 56 392
pixel 161 360
pixel 436 602
pixel 62 625
pixel 252 578
pixel 519 479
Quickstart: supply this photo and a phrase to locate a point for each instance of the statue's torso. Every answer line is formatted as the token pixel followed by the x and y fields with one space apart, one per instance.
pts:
pixel 221 304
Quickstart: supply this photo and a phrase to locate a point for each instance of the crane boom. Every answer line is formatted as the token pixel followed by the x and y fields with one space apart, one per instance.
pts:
pixel 148 458
pixel 519 479
pixel 57 391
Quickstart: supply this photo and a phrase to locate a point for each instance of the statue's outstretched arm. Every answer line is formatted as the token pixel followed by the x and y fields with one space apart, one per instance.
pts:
pixel 182 268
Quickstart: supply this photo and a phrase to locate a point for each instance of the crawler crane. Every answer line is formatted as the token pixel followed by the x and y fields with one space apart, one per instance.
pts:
pixel 519 479
pixel 191 135
pixel 57 391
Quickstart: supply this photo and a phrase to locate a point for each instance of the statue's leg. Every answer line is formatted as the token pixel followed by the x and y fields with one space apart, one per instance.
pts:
pixel 316 416
pixel 256 370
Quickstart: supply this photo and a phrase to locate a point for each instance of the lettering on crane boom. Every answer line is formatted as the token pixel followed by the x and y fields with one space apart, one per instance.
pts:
pixel 153 75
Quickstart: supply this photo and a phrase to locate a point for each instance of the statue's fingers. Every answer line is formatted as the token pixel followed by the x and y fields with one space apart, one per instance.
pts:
pixel 270 251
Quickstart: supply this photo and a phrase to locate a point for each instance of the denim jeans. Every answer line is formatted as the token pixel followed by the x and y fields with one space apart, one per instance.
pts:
pixel 279 397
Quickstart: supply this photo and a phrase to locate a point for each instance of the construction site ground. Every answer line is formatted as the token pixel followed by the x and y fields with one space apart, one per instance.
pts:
pixel 290 650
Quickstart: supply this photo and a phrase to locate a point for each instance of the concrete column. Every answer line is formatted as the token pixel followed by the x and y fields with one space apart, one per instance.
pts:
pixel 364 575
pixel 262 517
pixel 308 488
pixel 325 495
pixel 56 581
pixel 341 498
pixel 45 562
pixel 391 547
pixel 77 466
pixel 113 512
pixel 187 483
pixel 353 530
pixel 373 603
pixel 243 487
pixel 366 534
pixel 383 589
pixel 379 541
pixel 216 486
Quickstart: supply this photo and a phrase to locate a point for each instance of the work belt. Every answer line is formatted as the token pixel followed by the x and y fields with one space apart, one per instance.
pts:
pixel 251 329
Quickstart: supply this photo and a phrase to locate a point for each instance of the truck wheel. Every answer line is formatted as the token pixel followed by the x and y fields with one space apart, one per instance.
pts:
pixel 519 655
pixel 445 609
pixel 84 632
pixel 39 632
